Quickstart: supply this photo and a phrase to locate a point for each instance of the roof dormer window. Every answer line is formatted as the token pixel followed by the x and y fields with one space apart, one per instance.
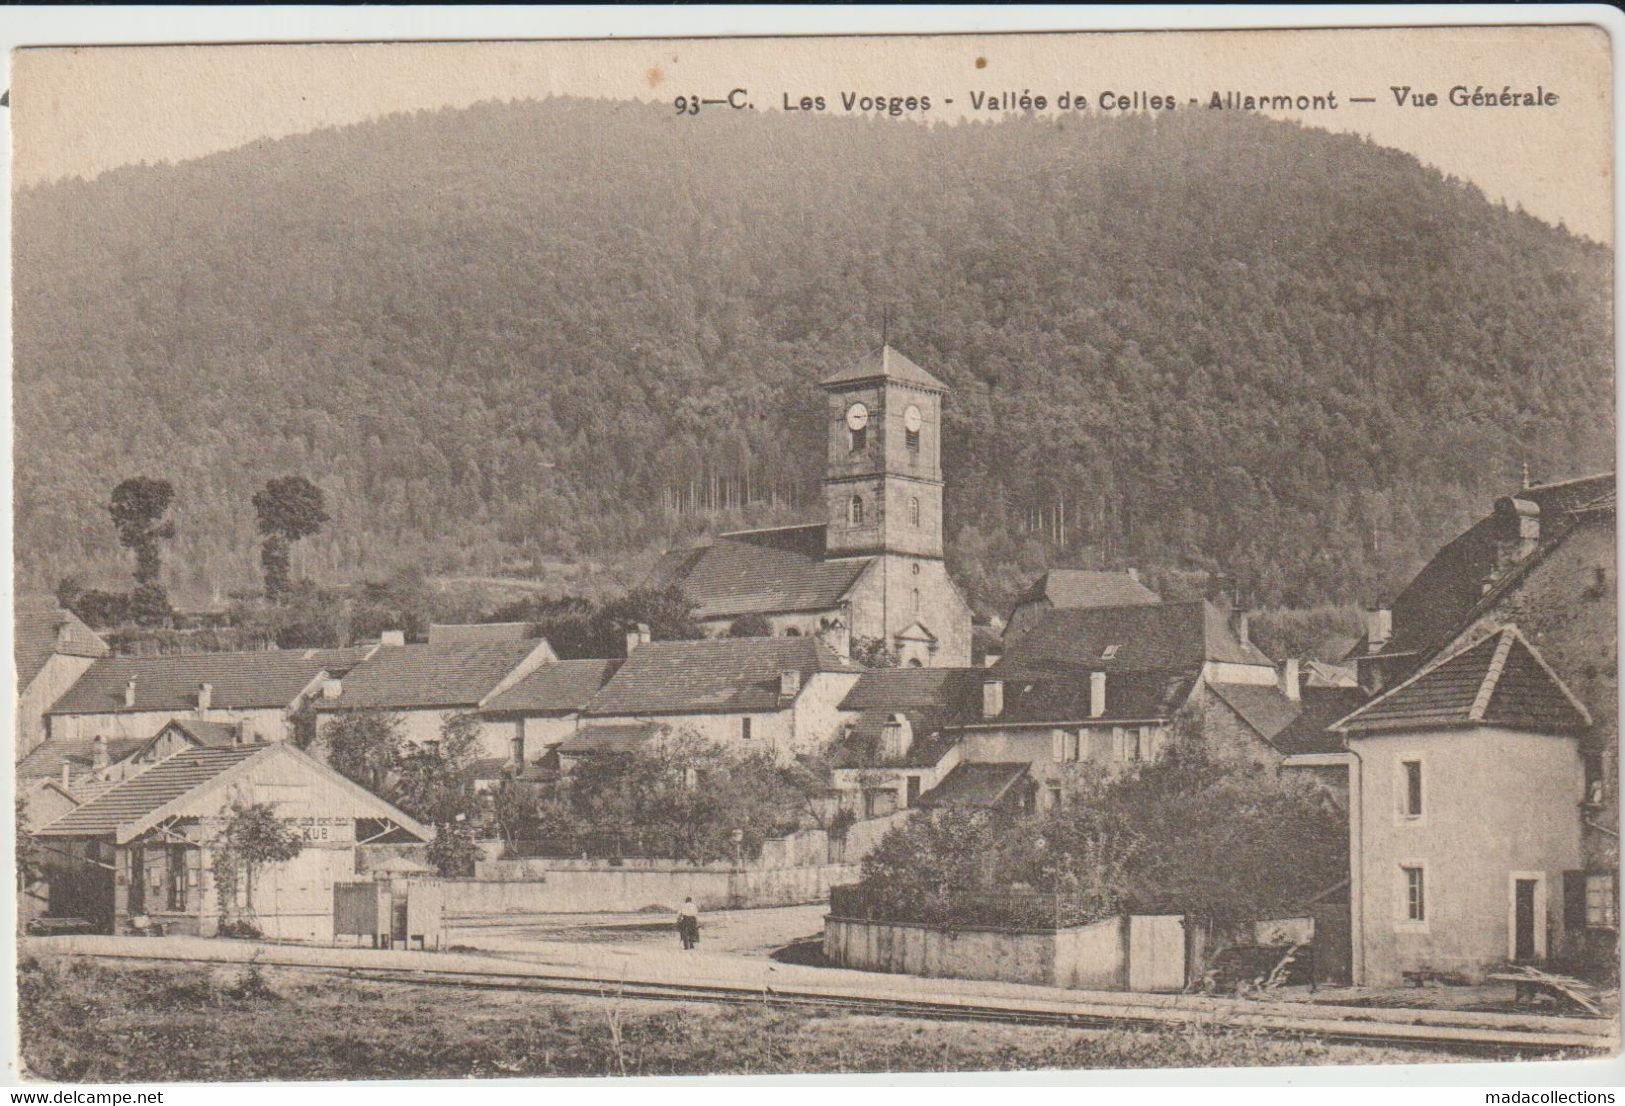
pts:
pixel 1110 652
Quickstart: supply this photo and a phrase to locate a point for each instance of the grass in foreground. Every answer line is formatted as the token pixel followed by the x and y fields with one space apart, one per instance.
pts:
pixel 85 1022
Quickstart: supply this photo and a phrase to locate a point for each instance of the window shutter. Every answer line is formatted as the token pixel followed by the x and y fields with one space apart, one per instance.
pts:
pixel 1058 744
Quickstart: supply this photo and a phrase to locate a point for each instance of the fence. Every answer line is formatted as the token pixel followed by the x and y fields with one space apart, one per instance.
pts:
pixel 969 907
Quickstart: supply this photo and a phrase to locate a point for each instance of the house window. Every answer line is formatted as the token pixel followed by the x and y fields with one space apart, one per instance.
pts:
pixel 916 600
pixel 1601 903
pixel 1415 894
pixel 855 511
pixel 1110 652
pixel 1064 744
pixel 744 729
pixel 1595 787
pixel 911 438
pixel 859 439
pixel 1055 796
pixel 914 512
pixel 1410 799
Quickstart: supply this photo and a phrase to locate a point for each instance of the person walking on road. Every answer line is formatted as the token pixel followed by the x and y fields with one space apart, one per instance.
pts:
pixel 688 923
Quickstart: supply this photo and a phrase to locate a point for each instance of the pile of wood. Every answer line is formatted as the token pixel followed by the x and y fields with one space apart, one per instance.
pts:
pixel 1242 969
pixel 1564 990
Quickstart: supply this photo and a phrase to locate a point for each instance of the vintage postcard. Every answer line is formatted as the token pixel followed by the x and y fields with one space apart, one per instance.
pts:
pixel 809 555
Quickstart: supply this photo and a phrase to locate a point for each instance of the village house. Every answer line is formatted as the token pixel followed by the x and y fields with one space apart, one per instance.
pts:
pixel 891 750
pixel 874 568
pixel 120 703
pixel 1083 690
pixel 53 650
pixel 544 708
pixel 424 685
pixel 1542 561
pixel 779 696
pixel 1465 789
pixel 1074 589
pixel 141 856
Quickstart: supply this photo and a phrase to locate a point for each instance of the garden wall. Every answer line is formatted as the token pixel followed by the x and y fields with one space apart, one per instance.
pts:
pixel 590 886
pixel 1090 957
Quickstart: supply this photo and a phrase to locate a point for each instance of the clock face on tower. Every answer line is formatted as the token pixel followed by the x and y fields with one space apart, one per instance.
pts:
pixel 911 419
pixel 857 417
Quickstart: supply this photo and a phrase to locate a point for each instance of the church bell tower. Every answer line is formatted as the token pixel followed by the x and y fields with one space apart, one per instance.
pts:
pixel 883 478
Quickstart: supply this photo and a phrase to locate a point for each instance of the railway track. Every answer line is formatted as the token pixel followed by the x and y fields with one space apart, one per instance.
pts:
pixel 1572 1037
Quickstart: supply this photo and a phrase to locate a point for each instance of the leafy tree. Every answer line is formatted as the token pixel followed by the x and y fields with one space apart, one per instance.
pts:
pixel 364 745
pixel 751 625
pixel 871 652
pixel 250 837
pixel 433 781
pixel 581 627
pixel 454 849
pixel 288 509
pixel 30 857
pixel 149 604
pixel 138 506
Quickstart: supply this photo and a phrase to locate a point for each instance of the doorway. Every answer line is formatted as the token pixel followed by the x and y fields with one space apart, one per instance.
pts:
pixel 137 901
pixel 1523 919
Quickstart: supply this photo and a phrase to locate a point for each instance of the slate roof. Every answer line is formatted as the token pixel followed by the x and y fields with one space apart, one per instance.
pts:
pixel 759 573
pixel 1073 588
pixel 124 810
pixel 860 747
pixel 1448 594
pixel 1499 680
pixel 885 363
pixel 982 784
pixel 606 738
pixel 451 633
pixel 1263 707
pixel 721 674
pixel 45 760
pixel 949 689
pixel 1153 636
pixel 564 687
pixel 456 674
pixel 142 794
pixel 1310 731
pixel 240 680
pixel 212 734
pixel 41 629
pixel 1064 697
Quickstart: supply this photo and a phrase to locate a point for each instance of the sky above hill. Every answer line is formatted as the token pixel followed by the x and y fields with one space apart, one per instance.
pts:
pixel 81 112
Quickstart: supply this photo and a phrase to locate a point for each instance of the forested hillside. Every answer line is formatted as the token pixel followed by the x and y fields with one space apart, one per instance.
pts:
pixel 530 333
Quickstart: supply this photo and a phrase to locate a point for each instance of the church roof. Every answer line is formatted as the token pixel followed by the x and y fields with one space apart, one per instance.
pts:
pixel 885 363
pixel 760 572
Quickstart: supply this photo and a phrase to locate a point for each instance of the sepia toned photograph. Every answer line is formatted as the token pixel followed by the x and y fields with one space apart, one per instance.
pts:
pixel 808 555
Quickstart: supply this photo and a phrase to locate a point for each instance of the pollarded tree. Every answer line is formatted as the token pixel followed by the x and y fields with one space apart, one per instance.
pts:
pixel 251 837
pixel 138 507
pixel 288 509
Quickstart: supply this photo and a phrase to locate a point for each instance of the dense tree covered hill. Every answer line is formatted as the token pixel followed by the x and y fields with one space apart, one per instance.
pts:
pixel 527 333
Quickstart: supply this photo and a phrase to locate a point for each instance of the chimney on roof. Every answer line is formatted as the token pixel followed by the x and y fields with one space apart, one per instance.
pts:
pixel 1289 679
pixel 129 694
pixel 896 736
pixel 1517 531
pixel 636 636
pixel 98 753
pixel 392 637
pixel 67 774
pixel 1240 623
pixel 1379 627
pixel 789 683
pixel 1133 574
pixel 992 698
pixel 205 698
pixel 1097 694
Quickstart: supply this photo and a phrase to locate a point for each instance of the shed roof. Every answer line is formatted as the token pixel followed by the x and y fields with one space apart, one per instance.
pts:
pixel 1310 731
pixel 1263 707
pixel 607 738
pixel 1064 696
pixel 716 675
pixel 1499 680
pixel 45 760
pixel 982 784
pixel 564 687
pixel 448 674
pixel 263 679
